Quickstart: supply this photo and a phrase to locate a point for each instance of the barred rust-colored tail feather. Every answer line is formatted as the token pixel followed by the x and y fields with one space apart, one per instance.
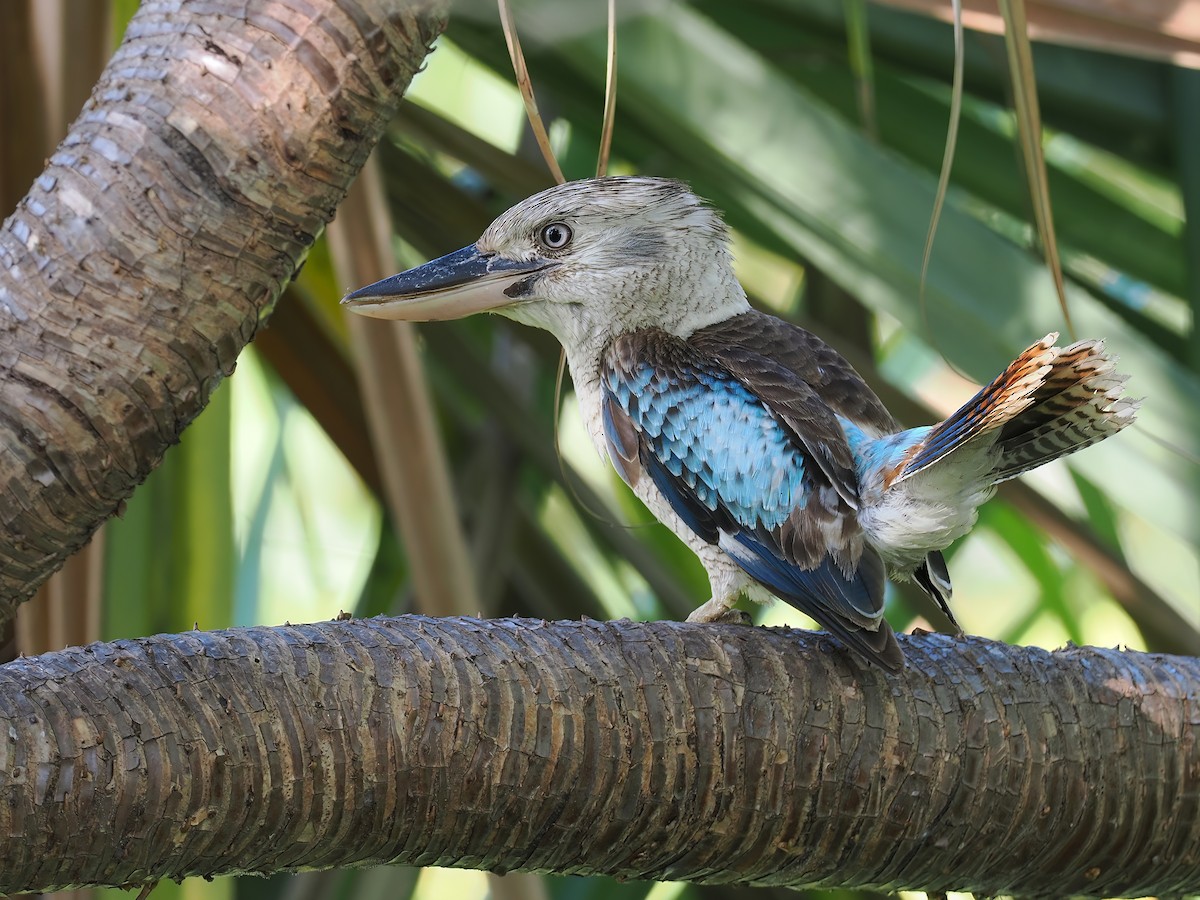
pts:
pixel 1049 402
pixel 1078 404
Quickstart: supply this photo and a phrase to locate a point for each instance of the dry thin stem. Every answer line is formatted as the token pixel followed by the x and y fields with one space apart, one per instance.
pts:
pixel 1029 132
pixel 525 86
pixel 400 415
pixel 610 93
pixel 956 94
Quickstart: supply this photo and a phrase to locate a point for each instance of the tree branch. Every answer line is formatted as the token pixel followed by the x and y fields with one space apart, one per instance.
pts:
pixel 217 144
pixel 659 750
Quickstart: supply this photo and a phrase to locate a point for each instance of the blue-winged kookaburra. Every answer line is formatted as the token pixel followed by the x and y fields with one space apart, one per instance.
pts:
pixel 747 436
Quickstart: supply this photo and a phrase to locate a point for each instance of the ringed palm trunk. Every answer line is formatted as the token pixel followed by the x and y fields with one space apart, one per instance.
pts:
pixel 644 750
pixel 217 144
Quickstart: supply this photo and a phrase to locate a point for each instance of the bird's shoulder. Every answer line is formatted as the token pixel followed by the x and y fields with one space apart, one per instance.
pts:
pixel 741 342
pixel 650 373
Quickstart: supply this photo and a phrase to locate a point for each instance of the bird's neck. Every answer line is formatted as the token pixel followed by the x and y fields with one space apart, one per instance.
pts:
pixel 585 377
pixel 721 297
pixel 692 320
pixel 678 305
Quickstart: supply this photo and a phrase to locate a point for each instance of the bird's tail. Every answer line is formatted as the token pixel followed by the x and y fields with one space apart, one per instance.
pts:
pixel 1049 402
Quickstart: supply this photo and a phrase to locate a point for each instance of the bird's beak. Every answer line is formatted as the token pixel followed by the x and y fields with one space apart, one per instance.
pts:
pixel 450 287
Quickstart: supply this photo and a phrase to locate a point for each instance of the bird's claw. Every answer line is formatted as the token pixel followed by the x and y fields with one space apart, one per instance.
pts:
pixel 956 634
pixel 718 609
pixel 734 617
pixel 730 616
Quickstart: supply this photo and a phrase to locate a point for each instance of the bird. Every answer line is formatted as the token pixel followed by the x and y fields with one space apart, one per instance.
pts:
pixel 752 439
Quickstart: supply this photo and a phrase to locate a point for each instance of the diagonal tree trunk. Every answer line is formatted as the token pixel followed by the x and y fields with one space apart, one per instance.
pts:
pixel 663 750
pixel 216 146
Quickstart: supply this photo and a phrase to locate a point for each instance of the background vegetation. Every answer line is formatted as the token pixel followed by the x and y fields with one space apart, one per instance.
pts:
pixel 818 127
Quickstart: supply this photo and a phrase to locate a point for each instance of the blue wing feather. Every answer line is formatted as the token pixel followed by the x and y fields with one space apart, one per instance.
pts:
pixel 737 476
pixel 710 432
pixel 806 588
pixel 826 584
pixel 694 514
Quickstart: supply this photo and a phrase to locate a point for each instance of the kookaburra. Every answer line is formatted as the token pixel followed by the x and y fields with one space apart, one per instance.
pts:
pixel 750 438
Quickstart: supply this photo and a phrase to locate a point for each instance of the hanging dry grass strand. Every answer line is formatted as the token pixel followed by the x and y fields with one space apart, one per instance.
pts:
pixel 602 158
pixel 525 86
pixel 939 200
pixel 610 94
pixel 1029 132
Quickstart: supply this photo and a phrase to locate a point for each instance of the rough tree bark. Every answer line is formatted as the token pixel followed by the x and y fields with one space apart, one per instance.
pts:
pixel 216 146
pixel 660 750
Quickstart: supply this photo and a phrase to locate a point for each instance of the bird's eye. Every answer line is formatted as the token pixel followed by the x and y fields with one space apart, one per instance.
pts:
pixel 556 235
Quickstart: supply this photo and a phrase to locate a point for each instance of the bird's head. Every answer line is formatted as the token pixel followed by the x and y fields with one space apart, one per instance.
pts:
pixel 585 260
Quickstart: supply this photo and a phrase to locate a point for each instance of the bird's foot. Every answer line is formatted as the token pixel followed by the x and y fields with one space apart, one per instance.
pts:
pixel 734 617
pixel 957 634
pixel 720 612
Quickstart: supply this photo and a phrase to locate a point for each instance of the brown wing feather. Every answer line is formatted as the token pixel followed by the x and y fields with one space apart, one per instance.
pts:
pixel 794 401
pixel 812 360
